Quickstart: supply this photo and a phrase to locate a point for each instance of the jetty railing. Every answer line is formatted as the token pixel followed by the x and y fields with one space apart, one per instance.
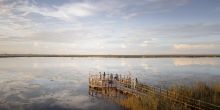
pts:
pixel 126 84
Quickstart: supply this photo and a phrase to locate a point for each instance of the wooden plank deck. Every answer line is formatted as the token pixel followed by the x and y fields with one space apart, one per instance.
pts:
pixel 126 84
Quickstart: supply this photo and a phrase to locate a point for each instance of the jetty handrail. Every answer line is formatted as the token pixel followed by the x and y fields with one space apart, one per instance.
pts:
pixel 126 83
pixel 182 96
pixel 195 103
pixel 107 74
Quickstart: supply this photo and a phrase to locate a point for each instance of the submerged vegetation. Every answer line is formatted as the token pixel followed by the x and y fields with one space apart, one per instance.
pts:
pixel 152 101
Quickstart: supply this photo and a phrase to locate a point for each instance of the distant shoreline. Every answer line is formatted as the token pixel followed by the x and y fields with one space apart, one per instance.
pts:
pixel 112 56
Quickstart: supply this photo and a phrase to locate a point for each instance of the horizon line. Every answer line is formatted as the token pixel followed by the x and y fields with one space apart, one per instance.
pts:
pixel 110 55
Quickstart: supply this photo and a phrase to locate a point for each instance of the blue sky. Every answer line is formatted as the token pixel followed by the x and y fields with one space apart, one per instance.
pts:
pixel 110 26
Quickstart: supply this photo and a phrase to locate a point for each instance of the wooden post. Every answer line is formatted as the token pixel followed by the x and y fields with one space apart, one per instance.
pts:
pixel 160 89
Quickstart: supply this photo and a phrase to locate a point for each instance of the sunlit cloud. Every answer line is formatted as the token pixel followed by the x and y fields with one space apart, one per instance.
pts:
pixel 105 27
pixel 65 12
pixel 196 46
pixel 144 44
pixel 123 46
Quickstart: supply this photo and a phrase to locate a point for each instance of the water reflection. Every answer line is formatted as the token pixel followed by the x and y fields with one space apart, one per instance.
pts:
pixel 62 83
pixel 195 61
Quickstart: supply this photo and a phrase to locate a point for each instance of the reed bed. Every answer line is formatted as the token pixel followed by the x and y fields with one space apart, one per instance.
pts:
pixel 153 101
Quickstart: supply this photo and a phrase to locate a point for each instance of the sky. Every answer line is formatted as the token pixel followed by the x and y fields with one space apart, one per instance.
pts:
pixel 110 27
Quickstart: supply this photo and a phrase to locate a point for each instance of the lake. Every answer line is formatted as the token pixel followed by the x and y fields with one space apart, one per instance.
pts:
pixel 62 83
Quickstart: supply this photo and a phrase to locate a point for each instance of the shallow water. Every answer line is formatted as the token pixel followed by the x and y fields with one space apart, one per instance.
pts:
pixel 62 83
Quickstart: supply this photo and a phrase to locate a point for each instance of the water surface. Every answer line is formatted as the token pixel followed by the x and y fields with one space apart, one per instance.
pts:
pixel 62 83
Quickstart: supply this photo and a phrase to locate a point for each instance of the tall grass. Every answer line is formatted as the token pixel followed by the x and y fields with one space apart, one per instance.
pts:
pixel 152 101
pixel 149 102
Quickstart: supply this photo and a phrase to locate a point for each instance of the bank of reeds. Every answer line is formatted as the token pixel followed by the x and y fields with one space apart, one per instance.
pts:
pixel 153 101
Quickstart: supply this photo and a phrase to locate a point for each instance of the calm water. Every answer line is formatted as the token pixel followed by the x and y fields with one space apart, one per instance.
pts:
pixel 62 83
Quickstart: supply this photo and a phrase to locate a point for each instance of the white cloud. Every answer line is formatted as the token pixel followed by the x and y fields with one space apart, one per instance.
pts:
pixel 189 30
pixel 127 9
pixel 65 12
pixel 49 26
pixel 130 15
pixel 124 9
pixel 144 44
pixel 13 24
pixel 195 46
pixel 123 46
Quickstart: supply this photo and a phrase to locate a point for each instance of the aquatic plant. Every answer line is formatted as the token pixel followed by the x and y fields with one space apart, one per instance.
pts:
pixel 153 100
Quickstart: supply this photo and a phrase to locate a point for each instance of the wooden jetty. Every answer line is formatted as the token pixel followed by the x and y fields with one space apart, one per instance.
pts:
pixel 127 84
pixel 110 80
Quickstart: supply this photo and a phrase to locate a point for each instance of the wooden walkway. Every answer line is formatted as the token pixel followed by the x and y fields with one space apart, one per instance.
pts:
pixel 126 84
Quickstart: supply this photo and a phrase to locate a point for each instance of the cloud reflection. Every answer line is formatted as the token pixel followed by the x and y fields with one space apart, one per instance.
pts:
pixel 61 83
pixel 195 61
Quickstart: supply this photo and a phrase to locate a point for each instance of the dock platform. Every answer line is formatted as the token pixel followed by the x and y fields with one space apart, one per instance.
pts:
pixel 127 84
